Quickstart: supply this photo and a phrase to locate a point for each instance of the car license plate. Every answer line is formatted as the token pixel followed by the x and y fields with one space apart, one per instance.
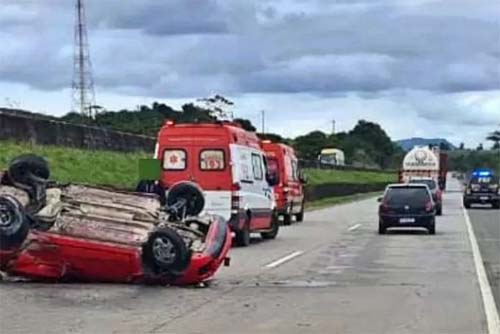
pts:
pixel 406 220
pixel 484 198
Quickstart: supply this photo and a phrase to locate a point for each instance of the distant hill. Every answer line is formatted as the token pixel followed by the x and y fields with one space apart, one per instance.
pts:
pixel 408 144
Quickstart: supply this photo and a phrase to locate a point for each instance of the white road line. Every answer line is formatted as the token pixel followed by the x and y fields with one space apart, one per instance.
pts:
pixel 284 259
pixel 352 228
pixel 490 308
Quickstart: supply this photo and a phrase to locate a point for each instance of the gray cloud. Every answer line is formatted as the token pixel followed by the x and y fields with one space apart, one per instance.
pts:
pixel 193 47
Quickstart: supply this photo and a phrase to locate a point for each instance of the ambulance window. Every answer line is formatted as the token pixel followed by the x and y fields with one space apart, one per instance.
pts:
pixel 295 170
pixel 212 160
pixel 174 159
pixel 257 167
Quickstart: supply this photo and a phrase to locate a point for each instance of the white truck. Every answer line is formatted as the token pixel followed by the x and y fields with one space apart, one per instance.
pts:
pixel 423 161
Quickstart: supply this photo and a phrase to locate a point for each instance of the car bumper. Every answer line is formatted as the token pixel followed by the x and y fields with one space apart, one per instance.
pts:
pixel 481 198
pixel 399 220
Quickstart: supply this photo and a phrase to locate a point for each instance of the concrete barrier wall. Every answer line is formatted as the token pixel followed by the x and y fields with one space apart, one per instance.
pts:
pixel 49 132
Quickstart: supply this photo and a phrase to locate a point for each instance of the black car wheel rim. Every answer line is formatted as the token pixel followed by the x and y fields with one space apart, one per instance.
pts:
pixel 6 216
pixel 164 251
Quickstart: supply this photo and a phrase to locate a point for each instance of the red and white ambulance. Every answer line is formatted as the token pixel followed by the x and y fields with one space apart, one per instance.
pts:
pixel 230 166
pixel 289 190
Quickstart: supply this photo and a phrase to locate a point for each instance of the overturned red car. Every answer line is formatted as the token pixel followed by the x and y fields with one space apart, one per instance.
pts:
pixel 51 232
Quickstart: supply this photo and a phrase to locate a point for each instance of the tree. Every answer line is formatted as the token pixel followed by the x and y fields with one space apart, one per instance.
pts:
pixel 479 147
pixel 372 139
pixel 219 106
pixel 495 138
pixel 245 124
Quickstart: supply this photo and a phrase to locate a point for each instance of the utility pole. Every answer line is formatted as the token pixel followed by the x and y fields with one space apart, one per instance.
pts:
pixel 333 126
pixel 83 94
pixel 263 120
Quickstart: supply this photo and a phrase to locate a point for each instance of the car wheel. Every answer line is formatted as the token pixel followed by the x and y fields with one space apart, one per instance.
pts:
pixel 381 228
pixel 496 205
pixel 14 225
pixel 242 236
pixel 466 205
pixel 432 227
pixel 439 210
pixel 275 226
pixel 166 252
pixel 28 170
pixel 287 219
pixel 299 217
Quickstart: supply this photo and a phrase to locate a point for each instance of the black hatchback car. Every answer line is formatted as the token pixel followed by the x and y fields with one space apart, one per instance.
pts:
pixel 482 188
pixel 407 205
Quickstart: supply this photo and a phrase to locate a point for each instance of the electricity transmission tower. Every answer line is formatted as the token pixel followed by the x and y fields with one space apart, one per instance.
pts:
pixel 83 95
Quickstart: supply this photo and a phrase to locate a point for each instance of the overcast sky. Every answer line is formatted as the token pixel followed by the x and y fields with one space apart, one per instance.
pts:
pixel 418 67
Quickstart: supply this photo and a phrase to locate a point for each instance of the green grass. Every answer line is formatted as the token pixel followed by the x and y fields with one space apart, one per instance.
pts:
pixel 320 176
pixel 121 169
pixel 331 201
pixel 81 166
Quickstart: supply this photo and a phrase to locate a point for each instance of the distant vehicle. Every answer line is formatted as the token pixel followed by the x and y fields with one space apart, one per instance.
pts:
pixel 331 157
pixel 482 188
pixel 407 205
pixel 289 190
pixel 423 161
pixel 230 166
pixel 437 194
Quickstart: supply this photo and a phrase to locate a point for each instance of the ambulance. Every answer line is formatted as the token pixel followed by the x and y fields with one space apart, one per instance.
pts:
pixel 289 190
pixel 231 168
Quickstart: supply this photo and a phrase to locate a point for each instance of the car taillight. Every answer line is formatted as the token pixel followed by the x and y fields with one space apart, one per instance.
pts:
pixel 428 206
pixel 384 207
pixel 236 186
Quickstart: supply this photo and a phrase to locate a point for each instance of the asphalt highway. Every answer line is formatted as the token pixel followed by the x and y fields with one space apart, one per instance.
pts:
pixel 332 273
pixel 486 224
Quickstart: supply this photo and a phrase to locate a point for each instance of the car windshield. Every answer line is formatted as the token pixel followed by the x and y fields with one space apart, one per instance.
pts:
pixel 272 165
pixel 430 183
pixel 403 195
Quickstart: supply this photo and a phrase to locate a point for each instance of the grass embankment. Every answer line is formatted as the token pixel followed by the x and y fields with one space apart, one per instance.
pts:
pixel 121 169
pixel 81 166
pixel 321 176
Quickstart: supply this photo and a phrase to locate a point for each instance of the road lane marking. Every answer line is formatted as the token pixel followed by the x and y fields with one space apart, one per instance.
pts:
pixel 490 308
pixel 284 259
pixel 352 228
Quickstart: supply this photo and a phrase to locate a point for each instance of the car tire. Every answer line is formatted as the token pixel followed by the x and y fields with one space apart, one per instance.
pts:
pixel 242 237
pixel 496 205
pixel 14 225
pixel 466 205
pixel 25 169
pixel 432 227
pixel 165 252
pixel 275 226
pixel 287 219
pixel 381 228
pixel 299 217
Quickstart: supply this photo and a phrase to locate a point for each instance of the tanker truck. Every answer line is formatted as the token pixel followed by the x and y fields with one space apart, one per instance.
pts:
pixel 423 161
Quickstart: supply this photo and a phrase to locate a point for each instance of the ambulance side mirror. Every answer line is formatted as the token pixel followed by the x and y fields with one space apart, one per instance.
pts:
pixel 272 178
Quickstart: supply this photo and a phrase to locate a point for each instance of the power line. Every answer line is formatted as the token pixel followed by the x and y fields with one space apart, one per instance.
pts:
pixel 83 94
